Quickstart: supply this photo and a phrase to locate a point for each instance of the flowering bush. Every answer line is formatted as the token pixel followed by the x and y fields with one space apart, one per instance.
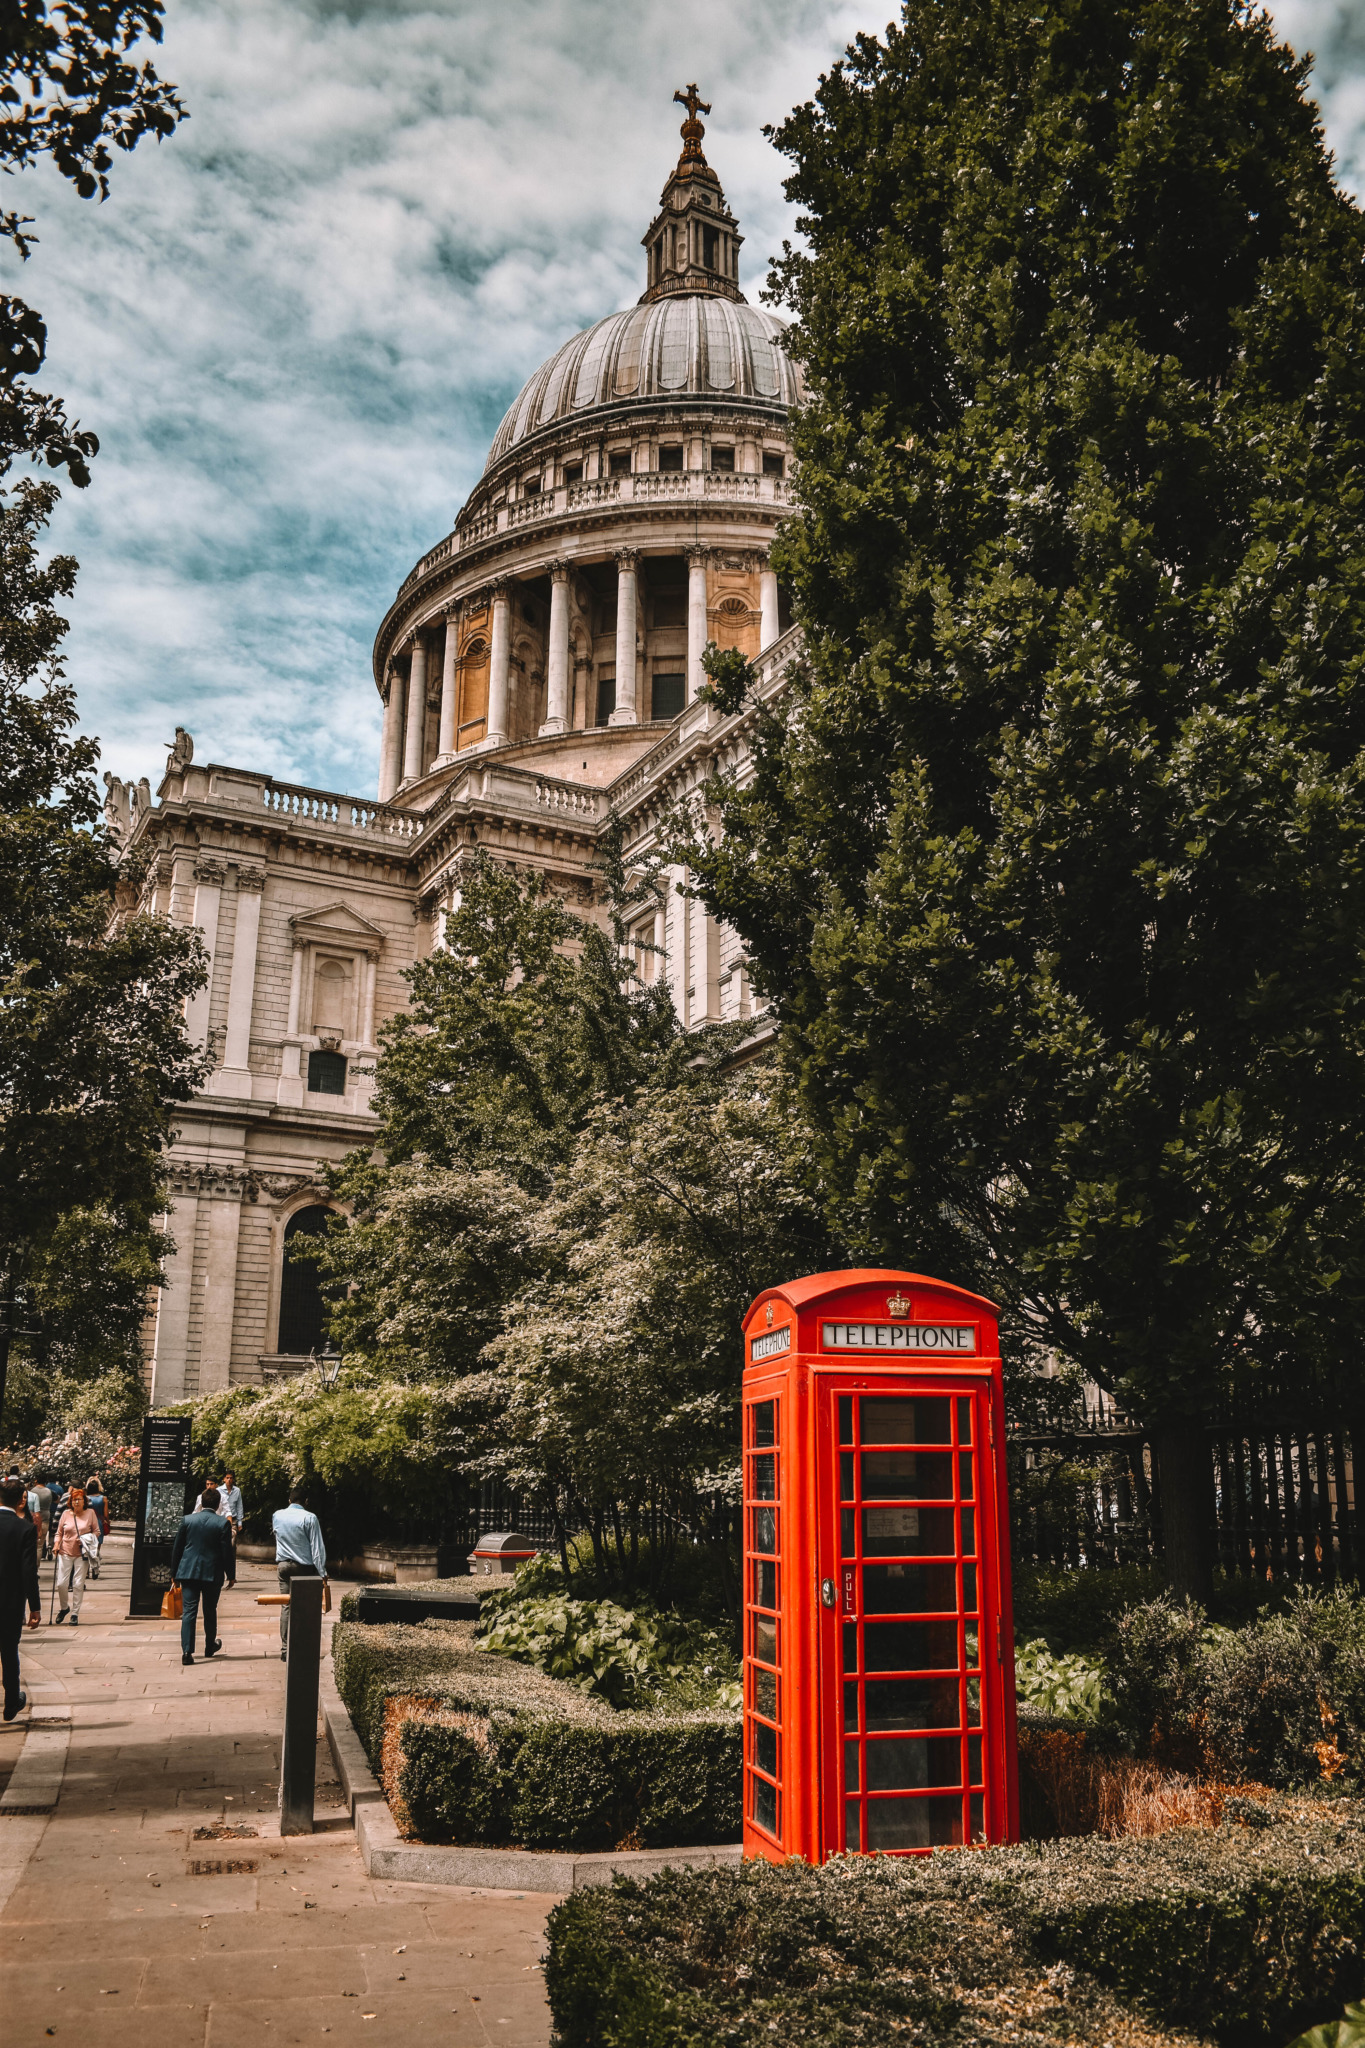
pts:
pixel 73 1454
pixel 1068 1688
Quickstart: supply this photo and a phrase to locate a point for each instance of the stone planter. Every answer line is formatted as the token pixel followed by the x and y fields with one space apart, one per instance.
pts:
pixel 394 1564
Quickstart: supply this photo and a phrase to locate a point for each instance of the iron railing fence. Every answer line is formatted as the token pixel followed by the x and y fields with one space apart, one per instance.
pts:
pixel 1282 1495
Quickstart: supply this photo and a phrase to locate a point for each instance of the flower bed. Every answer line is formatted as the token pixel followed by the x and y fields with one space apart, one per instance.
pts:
pixel 1245 1932
pixel 474 1748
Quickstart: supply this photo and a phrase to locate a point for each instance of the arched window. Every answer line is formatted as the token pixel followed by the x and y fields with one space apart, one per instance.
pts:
pixel 302 1308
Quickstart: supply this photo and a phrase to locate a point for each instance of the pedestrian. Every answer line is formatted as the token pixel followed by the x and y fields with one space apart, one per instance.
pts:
pixel 75 1542
pixel 94 1494
pixel 299 1551
pixel 200 1561
pixel 40 1507
pixel 18 1589
pixel 232 1503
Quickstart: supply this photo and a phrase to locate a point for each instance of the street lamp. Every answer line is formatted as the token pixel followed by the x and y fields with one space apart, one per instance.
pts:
pixel 329 1365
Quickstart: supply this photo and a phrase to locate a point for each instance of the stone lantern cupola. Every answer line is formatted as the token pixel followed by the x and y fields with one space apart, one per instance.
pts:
pixel 693 243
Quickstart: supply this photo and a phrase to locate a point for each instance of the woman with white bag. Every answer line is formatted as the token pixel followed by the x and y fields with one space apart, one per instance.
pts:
pixel 75 1541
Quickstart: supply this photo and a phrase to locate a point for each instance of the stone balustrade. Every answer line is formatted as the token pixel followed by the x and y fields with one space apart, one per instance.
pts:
pixel 348 813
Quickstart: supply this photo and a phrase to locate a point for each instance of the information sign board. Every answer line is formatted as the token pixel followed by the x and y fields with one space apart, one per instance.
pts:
pixel 165 1492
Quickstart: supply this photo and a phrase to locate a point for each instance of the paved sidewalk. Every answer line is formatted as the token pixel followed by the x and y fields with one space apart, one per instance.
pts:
pixel 159 1906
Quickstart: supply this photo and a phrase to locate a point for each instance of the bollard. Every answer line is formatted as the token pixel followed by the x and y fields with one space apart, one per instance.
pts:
pixel 299 1753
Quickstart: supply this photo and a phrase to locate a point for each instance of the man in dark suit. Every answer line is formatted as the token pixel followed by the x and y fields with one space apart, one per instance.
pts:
pixel 18 1585
pixel 200 1561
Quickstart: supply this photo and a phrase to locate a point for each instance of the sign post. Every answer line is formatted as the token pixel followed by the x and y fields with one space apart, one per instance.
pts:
pixel 165 1490
pixel 299 1750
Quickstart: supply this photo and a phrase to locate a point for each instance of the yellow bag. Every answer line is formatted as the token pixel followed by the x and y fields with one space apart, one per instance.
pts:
pixel 172 1604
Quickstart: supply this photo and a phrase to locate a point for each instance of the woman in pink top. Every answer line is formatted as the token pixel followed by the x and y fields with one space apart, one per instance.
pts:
pixel 78 1522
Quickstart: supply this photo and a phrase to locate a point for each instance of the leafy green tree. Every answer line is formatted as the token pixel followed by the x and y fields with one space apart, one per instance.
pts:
pixel 70 87
pixel 93 1054
pixel 573 1205
pixel 1056 875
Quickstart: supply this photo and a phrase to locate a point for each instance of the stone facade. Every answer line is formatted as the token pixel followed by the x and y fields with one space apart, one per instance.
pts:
pixel 539 672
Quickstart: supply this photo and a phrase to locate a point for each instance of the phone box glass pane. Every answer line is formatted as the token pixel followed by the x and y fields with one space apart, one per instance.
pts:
pixel 764 1808
pixel 911 1703
pixel 906 1764
pixel 914 1823
pixel 765 1639
pixel 765 1694
pixel 909 1589
pixel 845 1418
pixel 910 1645
pixel 964 1419
pixel 907 1475
pixel 765 1531
pixel 850 1767
pixel 765 1582
pixel 919 1419
pixel 851 1709
pixel 908 1532
pixel 763 1476
pixel 765 1747
pixel 765 1424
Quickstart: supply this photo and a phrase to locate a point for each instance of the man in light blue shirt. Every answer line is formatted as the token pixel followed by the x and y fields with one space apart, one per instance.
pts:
pixel 299 1548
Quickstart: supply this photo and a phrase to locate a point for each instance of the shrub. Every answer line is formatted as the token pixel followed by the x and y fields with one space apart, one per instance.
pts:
pixel 474 1748
pixel 630 1656
pixel 1281 1700
pixel 1067 1688
pixel 1240 1932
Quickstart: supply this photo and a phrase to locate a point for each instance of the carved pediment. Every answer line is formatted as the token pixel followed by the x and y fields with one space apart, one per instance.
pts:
pixel 336 924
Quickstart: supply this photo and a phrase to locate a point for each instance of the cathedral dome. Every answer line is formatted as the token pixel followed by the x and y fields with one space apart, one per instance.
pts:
pixel 678 347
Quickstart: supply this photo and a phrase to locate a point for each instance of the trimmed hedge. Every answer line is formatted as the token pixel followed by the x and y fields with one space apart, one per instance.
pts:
pixel 1248 1933
pixel 474 1748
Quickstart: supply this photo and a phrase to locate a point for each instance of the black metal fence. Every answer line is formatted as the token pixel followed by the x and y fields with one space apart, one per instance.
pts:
pixel 1282 1497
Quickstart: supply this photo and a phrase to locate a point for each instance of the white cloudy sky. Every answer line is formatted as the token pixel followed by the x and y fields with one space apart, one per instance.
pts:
pixel 295 326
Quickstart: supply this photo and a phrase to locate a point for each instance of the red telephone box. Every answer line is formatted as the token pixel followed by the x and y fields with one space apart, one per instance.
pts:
pixel 878 1630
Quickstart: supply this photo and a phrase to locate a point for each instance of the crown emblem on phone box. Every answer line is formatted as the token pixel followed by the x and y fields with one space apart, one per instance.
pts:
pixel 898 1304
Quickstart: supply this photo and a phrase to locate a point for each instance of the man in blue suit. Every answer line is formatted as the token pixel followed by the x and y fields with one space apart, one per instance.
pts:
pixel 200 1562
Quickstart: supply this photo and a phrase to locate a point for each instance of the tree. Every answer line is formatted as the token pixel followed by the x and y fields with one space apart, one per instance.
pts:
pixel 1056 872
pixel 92 1047
pixel 68 91
pixel 572 1205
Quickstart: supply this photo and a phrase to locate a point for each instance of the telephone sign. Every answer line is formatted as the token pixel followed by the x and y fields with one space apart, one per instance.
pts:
pixel 878 1634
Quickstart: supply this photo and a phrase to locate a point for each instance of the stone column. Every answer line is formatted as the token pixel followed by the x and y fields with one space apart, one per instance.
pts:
pixel 499 665
pixel 627 604
pixel 659 969
pixel 767 607
pixel 234 1076
pixel 450 686
pixel 391 745
pixel 367 1011
pixel 557 667
pixel 289 1093
pixel 220 1289
pixel 182 885
pixel 208 891
pixel 170 1345
pixel 415 736
pixel 696 620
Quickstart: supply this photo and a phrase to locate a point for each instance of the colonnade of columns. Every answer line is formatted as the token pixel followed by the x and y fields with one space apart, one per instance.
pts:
pixel 405 709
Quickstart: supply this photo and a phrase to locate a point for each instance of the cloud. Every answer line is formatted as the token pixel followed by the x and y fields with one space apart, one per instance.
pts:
pixel 296 325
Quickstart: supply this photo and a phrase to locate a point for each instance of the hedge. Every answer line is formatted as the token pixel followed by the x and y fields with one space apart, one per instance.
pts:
pixel 1245 1932
pixel 474 1748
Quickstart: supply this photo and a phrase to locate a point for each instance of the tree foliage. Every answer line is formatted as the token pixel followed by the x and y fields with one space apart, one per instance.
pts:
pixel 92 1047
pixel 70 87
pixel 1056 874
pixel 574 1205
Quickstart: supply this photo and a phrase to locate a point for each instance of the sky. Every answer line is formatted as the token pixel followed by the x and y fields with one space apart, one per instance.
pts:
pixel 296 325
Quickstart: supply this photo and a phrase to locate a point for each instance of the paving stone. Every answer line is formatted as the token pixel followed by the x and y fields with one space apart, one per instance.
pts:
pixel 156 1956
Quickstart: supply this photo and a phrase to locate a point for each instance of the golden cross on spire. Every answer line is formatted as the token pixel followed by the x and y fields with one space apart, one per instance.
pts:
pixel 694 103
pixel 692 130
